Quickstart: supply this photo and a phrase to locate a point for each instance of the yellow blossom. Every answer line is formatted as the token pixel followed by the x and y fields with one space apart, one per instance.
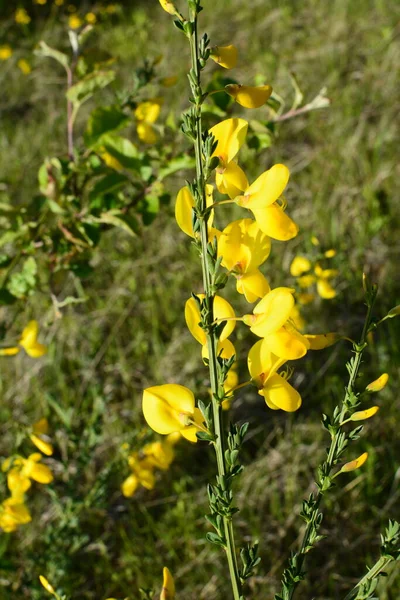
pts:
pixel 74 22
pixel 23 470
pixel 272 312
pixel 230 136
pixel 354 464
pixel 362 415
pixel 378 384
pixel 299 265
pixel 5 52
pixel 248 96
pixel 40 429
pixel 330 253
pixel 24 66
pixel 90 18
pixel 47 586
pixel 222 310
pixel 324 288
pixel 225 56
pixel 13 513
pixel 146 113
pixel 168 588
pixel 170 7
pixel 171 407
pixel 322 340
pixel 28 342
pixel 22 17
pixel 142 475
pixel 184 209
pixel 276 390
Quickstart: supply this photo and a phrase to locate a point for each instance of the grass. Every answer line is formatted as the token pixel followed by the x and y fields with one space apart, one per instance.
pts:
pixel 131 331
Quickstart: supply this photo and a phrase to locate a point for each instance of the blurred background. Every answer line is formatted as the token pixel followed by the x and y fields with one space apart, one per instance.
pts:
pixel 128 331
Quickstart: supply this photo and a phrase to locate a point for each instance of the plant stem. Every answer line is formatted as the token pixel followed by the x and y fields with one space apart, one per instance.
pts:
pixel 212 341
pixel 378 567
pixel 331 458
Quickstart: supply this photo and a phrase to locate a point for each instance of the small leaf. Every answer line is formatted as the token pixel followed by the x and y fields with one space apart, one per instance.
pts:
pixel 102 120
pixel 118 219
pixel 46 51
pixel 89 85
pixel 108 184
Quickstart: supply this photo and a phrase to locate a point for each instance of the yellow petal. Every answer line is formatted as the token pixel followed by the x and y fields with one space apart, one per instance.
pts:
pixel 130 486
pixel 168 589
pixel 41 473
pixel 325 290
pixel 146 133
pixel 243 246
pixel 281 394
pixel 330 253
pixel 184 209
pixel 17 483
pixel 49 588
pixel 43 446
pixel 9 351
pixel 230 135
pixel 29 335
pixel 248 96
pixel 297 319
pixel 169 7
pixel 361 415
pixel 354 464
pixel 225 349
pixel 225 56
pixel 287 343
pixel 149 111
pixel 266 189
pixel 378 384
pixel 322 340
pixel 306 281
pixel 274 222
pixel 166 406
pixel 253 285
pixel 222 310
pixel 262 363
pixel 190 431
pixel 159 454
pixel 299 265
pixel 272 312
pixel 231 180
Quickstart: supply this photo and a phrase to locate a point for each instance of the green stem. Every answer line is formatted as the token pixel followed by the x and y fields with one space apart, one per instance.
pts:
pixel 211 337
pixel 379 566
pixel 330 461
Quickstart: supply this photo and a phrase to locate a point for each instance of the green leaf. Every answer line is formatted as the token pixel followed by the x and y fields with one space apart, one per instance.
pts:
pixel 103 119
pixel 46 51
pixel 54 207
pixel 149 207
pixel 126 222
pixel 89 85
pixel 178 163
pixel 123 150
pixel 108 184
pixel 22 283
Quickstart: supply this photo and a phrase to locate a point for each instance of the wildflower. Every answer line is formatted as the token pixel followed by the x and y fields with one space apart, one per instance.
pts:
pixel 47 586
pixel 272 312
pixel 21 470
pixel 28 342
pixel 244 247
pixel 299 265
pixel 142 475
pixel 276 390
pixel 225 56
pixel 300 268
pixel 378 384
pixel 22 17
pixel 5 52
pixel 170 8
pixel 171 407
pixel 184 209
pixel 168 589
pixel 230 136
pixel 248 96
pixel 39 430
pixel 146 114
pixel 354 464
pixel 230 384
pixel 322 340
pixel 362 415
pixel 261 198
pixel 24 66
pixel 222 310
pixel 330 253
pixel 159 454
pixel 324 288
pixel 13 512
pixel 74 22
pixel 90 18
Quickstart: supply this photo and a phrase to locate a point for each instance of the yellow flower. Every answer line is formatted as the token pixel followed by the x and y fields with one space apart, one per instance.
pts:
pixel 142 475
pixel 378 384
pixel 47 586
pixel 225 56
pixel 184 209
pixel 146 113
pixel 230 136
pixel 22 17
pixel 90 18
pixel 324 288
pixel 24 66
pixel 25 469
pixel 244 247
pixel 170 7
pixel 299 265
pixel 275 389
pixel 362 415
pixel 225 349
pixel 28 342
pixel 39 430
pixel 168 588
pixel 322 340
pixel 159 454
pixel 297 319
pixel 13 513
pixel 354 464
pixel 271 313
pixel 5 52
pixel 111 9
pixel 261 198
pixel 248 96
pixel 171 407
pixel 330 253
pixel 230 383
pixel 42 2
pixel 169 81
pixel 75 22
pixel 222 310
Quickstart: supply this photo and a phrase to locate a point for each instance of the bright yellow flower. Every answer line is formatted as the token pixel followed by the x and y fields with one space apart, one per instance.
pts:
pixel 324 288
pixel 149 111
pixel 299 265
pixel 222 310
pixel 244 247
pixel 171 407
pixel 248 96
pixel 13 513
pixel 47 586
pixel 168 588
pixel 225 349
pixel 275 389
pixel 286 342
pixel 231 180
pixel 25 469
pixel 225 56
pixel 24 66
pixel 29 341
pixel 306 281
pixel 322 340
pixel 39 430
pixel 74 22
pixel 22 17
pixel 354 464
pixel 272 312
pixel 184 209
pixel 5 52
pixel 170 7
pixel 362 415
pixel 90 18
pixel 142 474
pixel 378 384
pixel 230 135
pixel 330 253
pixel 261 198
pixel 147 133
pixel 159 454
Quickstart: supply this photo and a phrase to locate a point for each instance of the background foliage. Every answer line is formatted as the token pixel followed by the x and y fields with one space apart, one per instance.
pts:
pixel 130 332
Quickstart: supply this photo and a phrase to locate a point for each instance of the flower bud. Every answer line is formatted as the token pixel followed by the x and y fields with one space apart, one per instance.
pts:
pixel 378 384
pixel 354 464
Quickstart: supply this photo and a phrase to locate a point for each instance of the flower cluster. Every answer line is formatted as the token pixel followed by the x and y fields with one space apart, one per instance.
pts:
pixel 27 342
pixel 20 474
pixel 309 273
pixel 153 456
